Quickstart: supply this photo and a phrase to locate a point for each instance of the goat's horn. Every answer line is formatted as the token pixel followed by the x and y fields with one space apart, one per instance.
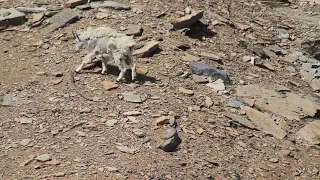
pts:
pixel 75 35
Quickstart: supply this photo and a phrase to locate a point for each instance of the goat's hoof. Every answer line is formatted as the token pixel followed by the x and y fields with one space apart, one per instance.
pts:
pixel 77 71
pixel 118 80
pixel 103 73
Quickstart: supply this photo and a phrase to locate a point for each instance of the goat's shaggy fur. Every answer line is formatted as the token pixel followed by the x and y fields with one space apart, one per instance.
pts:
pixel 121 49
pixel 93 33
pixel 113 44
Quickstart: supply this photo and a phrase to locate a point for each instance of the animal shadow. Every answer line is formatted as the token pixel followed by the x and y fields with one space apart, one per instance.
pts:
pixel 114 70
pixel 198 31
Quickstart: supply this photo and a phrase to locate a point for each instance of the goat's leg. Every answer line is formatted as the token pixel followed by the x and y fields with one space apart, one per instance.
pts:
pixel 104 61
pixel 104 67
pixel 87 59
pixel 122 73
pixel 133 72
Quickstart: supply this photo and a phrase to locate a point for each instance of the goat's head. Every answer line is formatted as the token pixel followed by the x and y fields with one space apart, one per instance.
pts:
pixel 79 42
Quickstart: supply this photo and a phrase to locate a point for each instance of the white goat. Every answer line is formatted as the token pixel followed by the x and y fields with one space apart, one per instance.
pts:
pixel 120 47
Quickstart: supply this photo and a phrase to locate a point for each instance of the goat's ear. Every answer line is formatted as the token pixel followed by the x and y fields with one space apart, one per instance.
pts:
pixel 132 48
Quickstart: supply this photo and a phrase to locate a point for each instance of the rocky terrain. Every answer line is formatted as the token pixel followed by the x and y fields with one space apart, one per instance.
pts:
pixel 225 90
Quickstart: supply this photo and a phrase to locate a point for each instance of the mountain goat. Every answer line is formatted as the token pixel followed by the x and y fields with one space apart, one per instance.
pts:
pixel 116 45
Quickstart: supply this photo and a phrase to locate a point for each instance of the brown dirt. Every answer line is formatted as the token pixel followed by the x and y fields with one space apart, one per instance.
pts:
pixel 224 151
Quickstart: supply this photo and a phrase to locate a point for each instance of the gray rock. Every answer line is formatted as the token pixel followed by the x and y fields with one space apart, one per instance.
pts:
pixel 315 84
pixel 41 73
pixel 266 123
pixel 297 172
pixel 24 142
pixel 132 113
pixel 147 49
pixel 132 98
pixel 187 20
pixel 112 169
pixel 134 31
pixel 171 132
pixel 85 110
pixel 206 70
pixel 204 22
pixel 243 121
pixel 246 58
pixel 306 67
pixel 172 140
pixel 284 36
pixel 234 103
pixel 217 85
pixel 7 100
pixel 235 175
pixel 291 58
pixel 57 73
pixel 172 121
pixel 110 4
pixel 74 3
pixel 186 91
pixel 111 123
pixel 274 160
pixel 55 132
pixel 306 76
pixel 291 69
pixel 282 89
pixel 59 20
pixel 138 132
pixel 259 51
pixel 304 58
pixel 43 158
pixel 25 120
pixel 168 26
pixel 32 9
pixel 210 56
pixel 125 149
pixel 208 102
pixel 11 17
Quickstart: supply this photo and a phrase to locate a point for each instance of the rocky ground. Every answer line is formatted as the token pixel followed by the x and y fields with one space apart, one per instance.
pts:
pixel 262 124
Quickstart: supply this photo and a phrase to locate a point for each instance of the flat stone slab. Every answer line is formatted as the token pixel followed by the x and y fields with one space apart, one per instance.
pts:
pixel 74 3
pixel 110 4
pixel 43 158
pixel 147 49
pixel 59 20
pixel 292 106
pixel 129 97
pixel 311 133
pixel 217 85
pixel 210 56
pixel 10 17
pixel 188 57
pixel 200 79
pixel 187 20
pixel 264 122
pixel 243 121
pixel 134 30
pixel 7 100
